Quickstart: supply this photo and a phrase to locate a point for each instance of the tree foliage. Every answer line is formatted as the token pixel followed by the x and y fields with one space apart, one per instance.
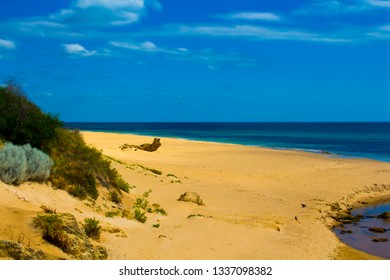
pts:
pixel 22 122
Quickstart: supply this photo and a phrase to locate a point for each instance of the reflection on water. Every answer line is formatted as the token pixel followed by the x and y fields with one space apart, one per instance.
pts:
pixel 359 236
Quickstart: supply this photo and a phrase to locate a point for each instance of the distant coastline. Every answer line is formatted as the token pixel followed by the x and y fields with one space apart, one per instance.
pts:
pixel 355 139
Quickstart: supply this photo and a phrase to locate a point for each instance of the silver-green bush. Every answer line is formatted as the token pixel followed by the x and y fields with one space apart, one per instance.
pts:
pixel 12 164
pixel 22 163
pixel 38 164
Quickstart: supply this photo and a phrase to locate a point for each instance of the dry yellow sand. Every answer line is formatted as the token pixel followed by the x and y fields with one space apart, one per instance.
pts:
pixel 252 201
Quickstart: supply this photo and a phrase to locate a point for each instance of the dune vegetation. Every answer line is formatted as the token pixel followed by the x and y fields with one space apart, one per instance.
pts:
pixel 36 146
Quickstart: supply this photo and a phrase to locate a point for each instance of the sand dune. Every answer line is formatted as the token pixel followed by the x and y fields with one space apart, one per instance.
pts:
pixel 252 201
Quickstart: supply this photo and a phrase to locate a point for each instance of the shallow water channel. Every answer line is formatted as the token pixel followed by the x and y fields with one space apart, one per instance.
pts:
pixel 370 233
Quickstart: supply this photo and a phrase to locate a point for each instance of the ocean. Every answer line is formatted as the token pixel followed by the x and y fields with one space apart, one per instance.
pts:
pixel 362 140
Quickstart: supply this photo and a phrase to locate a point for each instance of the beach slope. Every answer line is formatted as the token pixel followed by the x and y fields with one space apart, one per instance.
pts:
pixel 256 203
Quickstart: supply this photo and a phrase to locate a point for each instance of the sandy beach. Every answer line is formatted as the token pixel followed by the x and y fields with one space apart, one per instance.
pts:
pixel 258 203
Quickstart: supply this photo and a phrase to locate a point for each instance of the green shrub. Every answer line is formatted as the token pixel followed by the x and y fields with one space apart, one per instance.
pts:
pixel 141 202
pixel 141 207
pixel 39 164
pixel 140 215
pixel 22 163
pixel 80 165
pixel 112 214
pixel 12 164
pixel 158 210
pixel 48 210
pixel 52 227
pixel 22 122
pixel 155 171
pixel 92 228
pixel 115 197
pixel 77 191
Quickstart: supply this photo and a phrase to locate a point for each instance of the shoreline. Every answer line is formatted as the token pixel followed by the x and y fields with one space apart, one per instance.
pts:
pixel 348 139
pixel 311 151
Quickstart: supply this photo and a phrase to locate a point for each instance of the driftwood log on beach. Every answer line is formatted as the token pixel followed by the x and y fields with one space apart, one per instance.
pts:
pixel 144 147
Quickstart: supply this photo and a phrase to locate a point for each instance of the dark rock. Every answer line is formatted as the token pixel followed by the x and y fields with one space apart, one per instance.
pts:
pixel 191 197
pixel 345 217
pixel 79 245
pixel 377 229
pixel 75 242
pixel 384 215
pixel 13 250
pixel 380 239
pixel 303 205
pixel 345 231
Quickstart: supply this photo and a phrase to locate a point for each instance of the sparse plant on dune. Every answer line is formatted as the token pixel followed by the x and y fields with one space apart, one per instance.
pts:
pixel 92 228
pixel 141 207
pixel 140 216
pixel 52 228
pixel 115 197
pixel 48 209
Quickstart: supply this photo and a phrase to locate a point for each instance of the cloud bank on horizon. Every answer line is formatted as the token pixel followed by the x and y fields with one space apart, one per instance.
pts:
pixel 203 59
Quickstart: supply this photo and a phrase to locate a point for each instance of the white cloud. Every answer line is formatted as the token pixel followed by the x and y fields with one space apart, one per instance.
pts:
pixel 84 18
pixel 154 4
pixel 381 33
pixel 126 18
pixel 96 17
pixel 378 3
pixel 42 23
pixel 148 47
pixel 254 16
pixel 77 49
pixel 385 28
pixel 333 7
pixel 7 44
pixel 256 32
pixel 111 4
pixel 145 46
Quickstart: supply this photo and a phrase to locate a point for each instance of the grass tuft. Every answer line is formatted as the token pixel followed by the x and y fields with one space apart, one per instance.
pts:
pixel 92 228
pixel 115 197
pixel 52 227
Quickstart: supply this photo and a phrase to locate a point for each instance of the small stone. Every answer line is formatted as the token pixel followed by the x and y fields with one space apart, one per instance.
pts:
pixel 191 197
pixel 377 229
pixel 345 231
pixel 380 239
pixel 384 215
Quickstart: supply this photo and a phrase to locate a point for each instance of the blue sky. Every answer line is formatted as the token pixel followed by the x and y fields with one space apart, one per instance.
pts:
pixel 197 60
